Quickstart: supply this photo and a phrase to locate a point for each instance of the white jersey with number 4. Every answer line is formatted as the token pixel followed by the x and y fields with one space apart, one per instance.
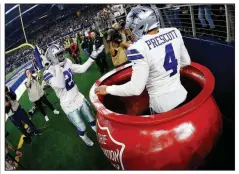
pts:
pixel 157 61
pixel 70 97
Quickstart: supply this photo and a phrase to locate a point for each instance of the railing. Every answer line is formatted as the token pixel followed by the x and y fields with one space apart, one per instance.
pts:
pixel 215 21
pixel 198 20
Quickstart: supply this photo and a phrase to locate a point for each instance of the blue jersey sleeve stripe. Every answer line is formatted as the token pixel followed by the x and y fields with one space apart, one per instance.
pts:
pixel 48 77
pixel 47 74
pixel 135 57
pixel 133 51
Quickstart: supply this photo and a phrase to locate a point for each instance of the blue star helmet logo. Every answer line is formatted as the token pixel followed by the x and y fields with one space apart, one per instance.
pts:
pixel 135 14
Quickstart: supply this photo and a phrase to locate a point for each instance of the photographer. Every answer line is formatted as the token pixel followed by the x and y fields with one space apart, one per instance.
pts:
pixel 36 93
pixel 17 115
pixel 118 45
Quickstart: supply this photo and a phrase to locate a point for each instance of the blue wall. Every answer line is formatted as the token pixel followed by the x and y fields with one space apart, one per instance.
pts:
pixel 220 59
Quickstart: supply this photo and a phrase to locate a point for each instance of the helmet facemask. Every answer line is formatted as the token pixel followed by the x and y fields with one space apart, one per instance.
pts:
pixel 55 54
pixel 60 55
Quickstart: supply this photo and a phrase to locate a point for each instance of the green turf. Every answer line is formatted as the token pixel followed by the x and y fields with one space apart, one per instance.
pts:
pixel 60 147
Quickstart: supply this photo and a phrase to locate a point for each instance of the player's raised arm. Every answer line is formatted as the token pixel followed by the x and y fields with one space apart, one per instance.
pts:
pixel 83 68
pixel 184 56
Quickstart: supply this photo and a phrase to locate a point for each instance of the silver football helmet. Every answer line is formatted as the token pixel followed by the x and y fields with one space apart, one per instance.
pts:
pixel 140 20
pixel 55 54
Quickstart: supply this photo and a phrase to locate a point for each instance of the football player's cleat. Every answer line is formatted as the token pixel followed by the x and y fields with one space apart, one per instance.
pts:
pixel 46 118
pixel 93 128
pixel 87 140
pixel 56 112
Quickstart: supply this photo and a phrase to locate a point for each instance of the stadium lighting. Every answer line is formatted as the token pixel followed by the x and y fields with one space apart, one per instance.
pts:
pixel 11 9
pixel 43 17
pixel 22 14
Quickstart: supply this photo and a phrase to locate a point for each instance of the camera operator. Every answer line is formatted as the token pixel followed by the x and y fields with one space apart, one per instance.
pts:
pixel 36 93
pixel 17 115
pixel 118 45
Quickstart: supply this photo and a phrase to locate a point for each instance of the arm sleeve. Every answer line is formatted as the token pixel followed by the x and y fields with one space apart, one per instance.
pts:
pixel 82 68
pixel 184 56
pixel 139 75
pixel 137 83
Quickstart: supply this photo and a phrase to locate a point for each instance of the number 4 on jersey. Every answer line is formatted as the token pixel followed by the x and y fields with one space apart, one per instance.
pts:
pixel 170 62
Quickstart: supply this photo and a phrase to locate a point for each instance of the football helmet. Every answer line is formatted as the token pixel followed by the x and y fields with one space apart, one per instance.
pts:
pixel 140 20
pixel 55 54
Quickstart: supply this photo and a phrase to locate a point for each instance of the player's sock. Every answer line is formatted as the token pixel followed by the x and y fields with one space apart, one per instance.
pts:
pixel 56 112
pixel 93 125
pixel 46 118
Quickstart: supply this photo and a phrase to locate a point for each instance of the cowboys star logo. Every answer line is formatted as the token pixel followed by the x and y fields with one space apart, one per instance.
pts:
pixel 135 14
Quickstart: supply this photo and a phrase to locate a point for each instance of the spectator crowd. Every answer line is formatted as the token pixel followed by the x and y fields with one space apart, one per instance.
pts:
pixel 69 27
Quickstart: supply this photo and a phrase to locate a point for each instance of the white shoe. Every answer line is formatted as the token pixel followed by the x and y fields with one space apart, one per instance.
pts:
pixel 94 128
pixel 46 118
pixel 87 141
pixel 56 112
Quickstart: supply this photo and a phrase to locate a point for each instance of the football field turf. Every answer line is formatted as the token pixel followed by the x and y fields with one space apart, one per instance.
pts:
pixel 59 147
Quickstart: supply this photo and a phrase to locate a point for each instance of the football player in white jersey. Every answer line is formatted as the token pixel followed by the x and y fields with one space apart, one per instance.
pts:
pixel 59 75
pixel 158 55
